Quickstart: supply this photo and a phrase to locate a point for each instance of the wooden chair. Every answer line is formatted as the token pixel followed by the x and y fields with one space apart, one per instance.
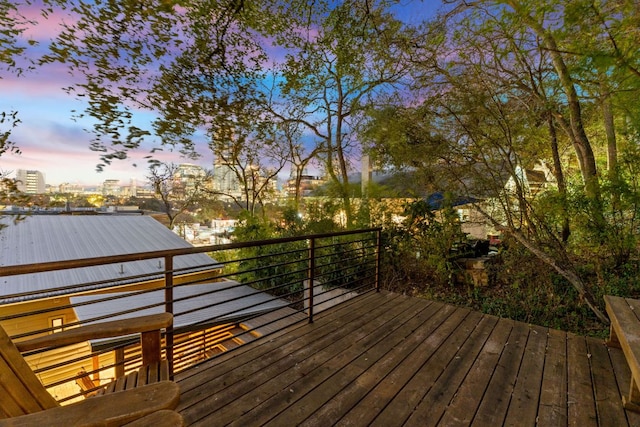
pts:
pixel 25 401
pixel 88 387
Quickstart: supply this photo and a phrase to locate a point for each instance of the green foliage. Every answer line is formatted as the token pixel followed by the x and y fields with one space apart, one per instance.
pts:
pixel 9 193
pixel 614 243
pixel 348 54
pixel 419 250
pixel 281 269
pixel 532 295
pixel 277 268
pixel 320 216
pixel 251 228
pixel 8 121
pixel 495 87
pixel 12 26
pixel 292 223
pixel 193 64
pixel 179 191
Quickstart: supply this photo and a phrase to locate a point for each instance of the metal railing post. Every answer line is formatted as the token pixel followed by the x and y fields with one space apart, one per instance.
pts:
pixel 378 258
pixel 311 275
pixel 168 307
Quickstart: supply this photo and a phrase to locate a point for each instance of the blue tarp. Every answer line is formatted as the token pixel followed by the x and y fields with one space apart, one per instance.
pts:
pixel 437 200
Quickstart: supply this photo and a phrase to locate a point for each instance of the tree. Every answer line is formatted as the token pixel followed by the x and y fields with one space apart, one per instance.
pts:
pixel 196 66
pixel 491 108
pixel 199 67
pixel 12 25
pixel 249 155
pixel 8 187
pixel 178 191
pixel 346 56
pixel 300 156
pixel 187 63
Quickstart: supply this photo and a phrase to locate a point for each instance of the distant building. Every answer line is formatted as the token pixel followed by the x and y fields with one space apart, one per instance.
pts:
pixel 133 188
pixel 526 183
pixel 188 171
pixel 308 183
pixel 225 180
pixel 73 189
pixel 366 173
pixel 532 181
pixel 188 178
pixel 145 193
pixel 111 187
pixel 30 181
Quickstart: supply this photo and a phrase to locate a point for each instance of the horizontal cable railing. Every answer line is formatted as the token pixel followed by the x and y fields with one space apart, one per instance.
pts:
pixel 246 291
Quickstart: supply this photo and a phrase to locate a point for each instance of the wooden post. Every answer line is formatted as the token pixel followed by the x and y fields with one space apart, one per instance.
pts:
pixel 150 342
pixel 119 352
pixel 613 338
pixel 95 361
pixel 632 403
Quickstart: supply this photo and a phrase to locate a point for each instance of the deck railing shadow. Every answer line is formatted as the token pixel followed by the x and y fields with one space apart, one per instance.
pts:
pixel 246 291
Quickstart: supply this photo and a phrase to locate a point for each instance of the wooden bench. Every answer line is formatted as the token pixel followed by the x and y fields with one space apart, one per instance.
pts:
pixel 624 314
pixel 25 401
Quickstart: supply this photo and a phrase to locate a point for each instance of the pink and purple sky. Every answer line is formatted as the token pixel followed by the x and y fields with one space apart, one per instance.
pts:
pixel 54 144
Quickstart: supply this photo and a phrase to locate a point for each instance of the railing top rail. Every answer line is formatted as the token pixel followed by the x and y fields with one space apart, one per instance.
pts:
pixel 113 259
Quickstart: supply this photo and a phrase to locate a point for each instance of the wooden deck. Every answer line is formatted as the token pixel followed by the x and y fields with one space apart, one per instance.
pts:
pixel 384 359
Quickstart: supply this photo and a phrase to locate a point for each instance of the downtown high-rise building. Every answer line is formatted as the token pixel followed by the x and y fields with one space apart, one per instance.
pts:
pixel 30 181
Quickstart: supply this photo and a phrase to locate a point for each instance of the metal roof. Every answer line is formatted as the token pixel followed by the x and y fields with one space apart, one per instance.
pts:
pixel 47 238
pixel 200 305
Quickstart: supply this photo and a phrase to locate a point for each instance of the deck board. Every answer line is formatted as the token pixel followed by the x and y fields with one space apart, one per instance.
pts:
pixel 553 396
pixel 343 368
pixel 364 398
pixel 387 359
pixel 524 403
pixel 337 354
pixel 253 369
pixel 495 402
pixel 436 401
pixel 605 388
pixel 424 364
pixel 463 408
pixel 623 379
pixel 581 405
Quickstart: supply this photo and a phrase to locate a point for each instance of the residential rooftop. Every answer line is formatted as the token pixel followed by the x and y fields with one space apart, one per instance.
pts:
pixel 55 238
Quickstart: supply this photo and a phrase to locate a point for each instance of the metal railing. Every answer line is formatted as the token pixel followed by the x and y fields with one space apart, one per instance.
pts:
pixel 237 293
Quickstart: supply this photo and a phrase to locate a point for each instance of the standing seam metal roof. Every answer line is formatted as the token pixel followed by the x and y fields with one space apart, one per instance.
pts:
pixel 50 238
pixel 206 303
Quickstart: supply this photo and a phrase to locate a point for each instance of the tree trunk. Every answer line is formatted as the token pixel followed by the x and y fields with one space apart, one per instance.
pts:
pixel 342 161
pixel 581 142
pixel 610 130
pixel 559 175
